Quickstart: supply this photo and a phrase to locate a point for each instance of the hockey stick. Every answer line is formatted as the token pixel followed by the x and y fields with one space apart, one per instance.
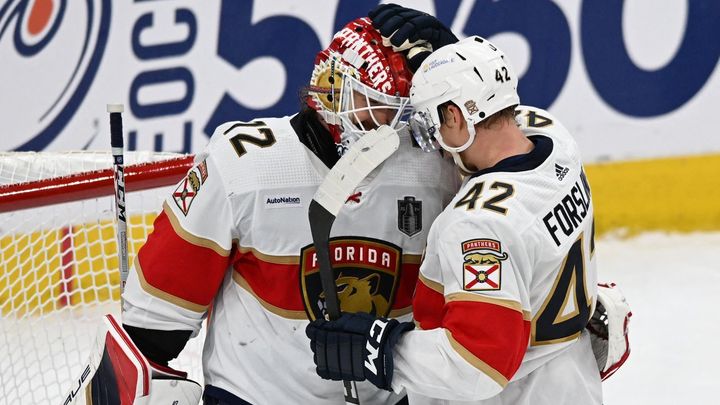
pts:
pixel 116 143
pixel 362 158
pixel 76 393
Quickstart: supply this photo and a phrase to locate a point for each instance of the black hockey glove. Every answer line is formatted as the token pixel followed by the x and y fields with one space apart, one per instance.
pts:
pixel 356 347
pixel 411 31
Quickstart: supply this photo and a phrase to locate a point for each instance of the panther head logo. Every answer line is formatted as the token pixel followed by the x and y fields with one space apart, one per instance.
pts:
pixel 361 294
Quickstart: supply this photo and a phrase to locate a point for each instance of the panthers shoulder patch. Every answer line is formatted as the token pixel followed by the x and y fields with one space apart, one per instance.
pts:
pixel 482 264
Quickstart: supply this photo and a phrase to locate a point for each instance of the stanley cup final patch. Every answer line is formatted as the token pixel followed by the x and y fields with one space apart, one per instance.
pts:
pixel 409 216
pixel 482 264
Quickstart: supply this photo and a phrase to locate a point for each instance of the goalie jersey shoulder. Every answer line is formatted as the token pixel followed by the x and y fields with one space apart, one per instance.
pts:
pixel 243 161
pixel 266 153
pixel 252 155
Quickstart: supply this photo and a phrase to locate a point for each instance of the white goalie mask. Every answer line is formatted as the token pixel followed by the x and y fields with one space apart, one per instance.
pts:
pixel 474 75
pixel 361 109
pixel 358 84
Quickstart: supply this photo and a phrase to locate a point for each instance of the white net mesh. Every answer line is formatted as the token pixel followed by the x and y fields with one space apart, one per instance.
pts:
pixel 59 274
pixel 18 167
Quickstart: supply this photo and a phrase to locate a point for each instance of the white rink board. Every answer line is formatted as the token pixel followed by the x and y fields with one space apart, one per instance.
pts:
pixel 258 53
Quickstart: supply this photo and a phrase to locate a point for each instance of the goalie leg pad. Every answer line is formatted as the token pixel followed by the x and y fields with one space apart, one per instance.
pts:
pixel 104 384
pixel 121 375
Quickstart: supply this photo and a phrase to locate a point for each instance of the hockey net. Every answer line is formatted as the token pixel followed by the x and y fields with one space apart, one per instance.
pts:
pixel 59 265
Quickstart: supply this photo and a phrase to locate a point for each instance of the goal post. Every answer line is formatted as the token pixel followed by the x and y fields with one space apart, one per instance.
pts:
pixel 58 260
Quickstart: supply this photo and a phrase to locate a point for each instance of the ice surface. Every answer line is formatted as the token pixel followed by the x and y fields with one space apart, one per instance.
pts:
pixel 672 283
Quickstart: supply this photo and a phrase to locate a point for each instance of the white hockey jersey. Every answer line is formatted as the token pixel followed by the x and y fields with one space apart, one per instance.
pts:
pixel 508 284
pixel 234 240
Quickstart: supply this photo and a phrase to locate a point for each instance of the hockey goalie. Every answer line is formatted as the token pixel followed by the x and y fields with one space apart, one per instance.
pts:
pixel 232 245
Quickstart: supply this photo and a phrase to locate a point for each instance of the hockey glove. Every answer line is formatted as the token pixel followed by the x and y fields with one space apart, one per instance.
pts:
pixel 608 329
pixel 117 373
pixel 356 347
pixel 411 31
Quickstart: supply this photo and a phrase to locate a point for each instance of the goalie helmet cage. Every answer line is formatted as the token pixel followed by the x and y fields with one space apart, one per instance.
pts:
pixel 58 261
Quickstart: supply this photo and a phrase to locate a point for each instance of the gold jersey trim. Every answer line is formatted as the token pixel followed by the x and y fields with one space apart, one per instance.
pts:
pixel 433 285
pixel 88 393
pixel 158 293
pixel 270 258
pixel 285 313
pixel 510 304
pixel 190 238
pixel 411 259
pixel 395 313
pixel 476 362
pixel 290 259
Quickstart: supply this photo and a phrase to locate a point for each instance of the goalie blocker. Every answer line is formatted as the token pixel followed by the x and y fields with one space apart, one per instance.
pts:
pixel 118 374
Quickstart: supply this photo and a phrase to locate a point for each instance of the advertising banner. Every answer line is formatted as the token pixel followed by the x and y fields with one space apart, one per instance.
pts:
pixel 629 79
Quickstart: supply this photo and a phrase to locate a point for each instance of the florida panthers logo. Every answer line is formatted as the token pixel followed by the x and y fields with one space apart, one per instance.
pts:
pixel 58 45
pixel 366 271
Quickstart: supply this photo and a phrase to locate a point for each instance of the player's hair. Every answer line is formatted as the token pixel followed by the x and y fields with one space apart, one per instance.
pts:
pixel 506 114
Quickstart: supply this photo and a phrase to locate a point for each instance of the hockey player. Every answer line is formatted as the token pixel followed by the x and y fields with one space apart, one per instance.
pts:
pixel 232 244
pixel 508 281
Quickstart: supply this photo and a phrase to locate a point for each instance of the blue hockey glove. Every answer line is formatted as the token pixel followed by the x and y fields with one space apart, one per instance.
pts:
pixel 411 31
pixel 356 347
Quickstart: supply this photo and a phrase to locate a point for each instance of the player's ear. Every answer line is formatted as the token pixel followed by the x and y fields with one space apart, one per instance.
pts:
pixel 451 114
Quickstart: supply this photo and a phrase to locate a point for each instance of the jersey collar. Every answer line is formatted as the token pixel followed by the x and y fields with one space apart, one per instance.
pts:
pixel 527 161
pixel 315 137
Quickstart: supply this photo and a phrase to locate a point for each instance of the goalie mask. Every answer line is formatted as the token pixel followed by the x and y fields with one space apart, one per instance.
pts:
pixel 358 84
pixel 475 76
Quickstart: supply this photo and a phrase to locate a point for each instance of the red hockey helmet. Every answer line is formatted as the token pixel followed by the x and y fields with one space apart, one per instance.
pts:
pixel 358 83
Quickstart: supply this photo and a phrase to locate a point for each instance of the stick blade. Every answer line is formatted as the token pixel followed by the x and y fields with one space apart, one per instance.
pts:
pixel 363 157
